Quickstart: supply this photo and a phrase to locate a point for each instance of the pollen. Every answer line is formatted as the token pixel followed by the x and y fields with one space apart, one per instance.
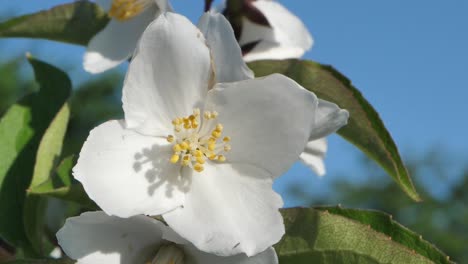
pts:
pixel 198 138
pixel 123 10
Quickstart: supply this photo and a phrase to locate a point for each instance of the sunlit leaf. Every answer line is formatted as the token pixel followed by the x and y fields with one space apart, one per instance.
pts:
pixel 47 155
pixel 21 130
pixel 336 235
pixel 75 23
pixel 365 128
pixel 61 185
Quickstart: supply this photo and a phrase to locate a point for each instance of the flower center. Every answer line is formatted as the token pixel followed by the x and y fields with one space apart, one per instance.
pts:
pixel 125 9
pixel 197 138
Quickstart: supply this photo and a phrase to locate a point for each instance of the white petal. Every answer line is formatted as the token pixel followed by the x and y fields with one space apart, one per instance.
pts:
pixel 94 237
pixel 268 119
pixel 230 209
pixel 287 38
pixel 116 42
pixel 267 50
pixel 127 174
pixel 195 256
pixel 313 155
pixel 228 63
pixel 168 75
pixel 329 118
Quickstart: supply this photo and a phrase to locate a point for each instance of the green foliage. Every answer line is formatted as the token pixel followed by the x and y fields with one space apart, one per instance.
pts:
pixel 336 235
pixel 41 261
pixel 365 128
pixel 50 147
pixel 440 218
pixel 61 185
pixel 13 87
pixel 93 103
pixel 74 23
pixel 21 130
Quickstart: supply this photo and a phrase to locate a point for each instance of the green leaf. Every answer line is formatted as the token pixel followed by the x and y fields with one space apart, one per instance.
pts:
pixel 336 235
pixel 61 186
pixel 21 130
pixel 40 261
pixel 74 23
pixel 365 129
pixel 47 155
pixel 50 147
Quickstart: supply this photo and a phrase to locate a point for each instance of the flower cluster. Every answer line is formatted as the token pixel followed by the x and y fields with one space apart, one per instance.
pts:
pixel 200 144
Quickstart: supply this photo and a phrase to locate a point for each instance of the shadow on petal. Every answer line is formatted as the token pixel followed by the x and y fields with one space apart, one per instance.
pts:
pixel 153 163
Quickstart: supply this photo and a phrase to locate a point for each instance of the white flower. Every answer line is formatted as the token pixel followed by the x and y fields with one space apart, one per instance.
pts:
pixel 202 155
pixel 284 37
pixel 96 238
pixel 117 41
pixel 314 153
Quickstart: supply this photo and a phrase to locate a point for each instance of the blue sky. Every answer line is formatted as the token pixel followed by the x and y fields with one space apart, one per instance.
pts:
pixel 408 58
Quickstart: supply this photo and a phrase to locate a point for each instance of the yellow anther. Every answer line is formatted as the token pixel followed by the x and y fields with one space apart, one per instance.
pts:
pixel 219 127
pixel 221 158
pixel 126 9
pixel 198 153
pixel 211 146
pixel 185 160
pixel 184 145
pixel 216 134
pixel 177 148
pixel 176 121
pixel 174 158
pixel 198 167
pixel 191 148
pixel 200 160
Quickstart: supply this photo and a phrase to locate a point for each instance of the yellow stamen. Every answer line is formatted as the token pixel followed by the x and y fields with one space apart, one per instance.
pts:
pixel 198 167
pixel 170 138
pixel 177 148
pixel 186 160
pixel 200 160
pixel 184 145
pixel 211 146
pixel 227 147
pixel 216 134
pixel 174 158
pixel 221 158
pixel 126 9
pixel 192 149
